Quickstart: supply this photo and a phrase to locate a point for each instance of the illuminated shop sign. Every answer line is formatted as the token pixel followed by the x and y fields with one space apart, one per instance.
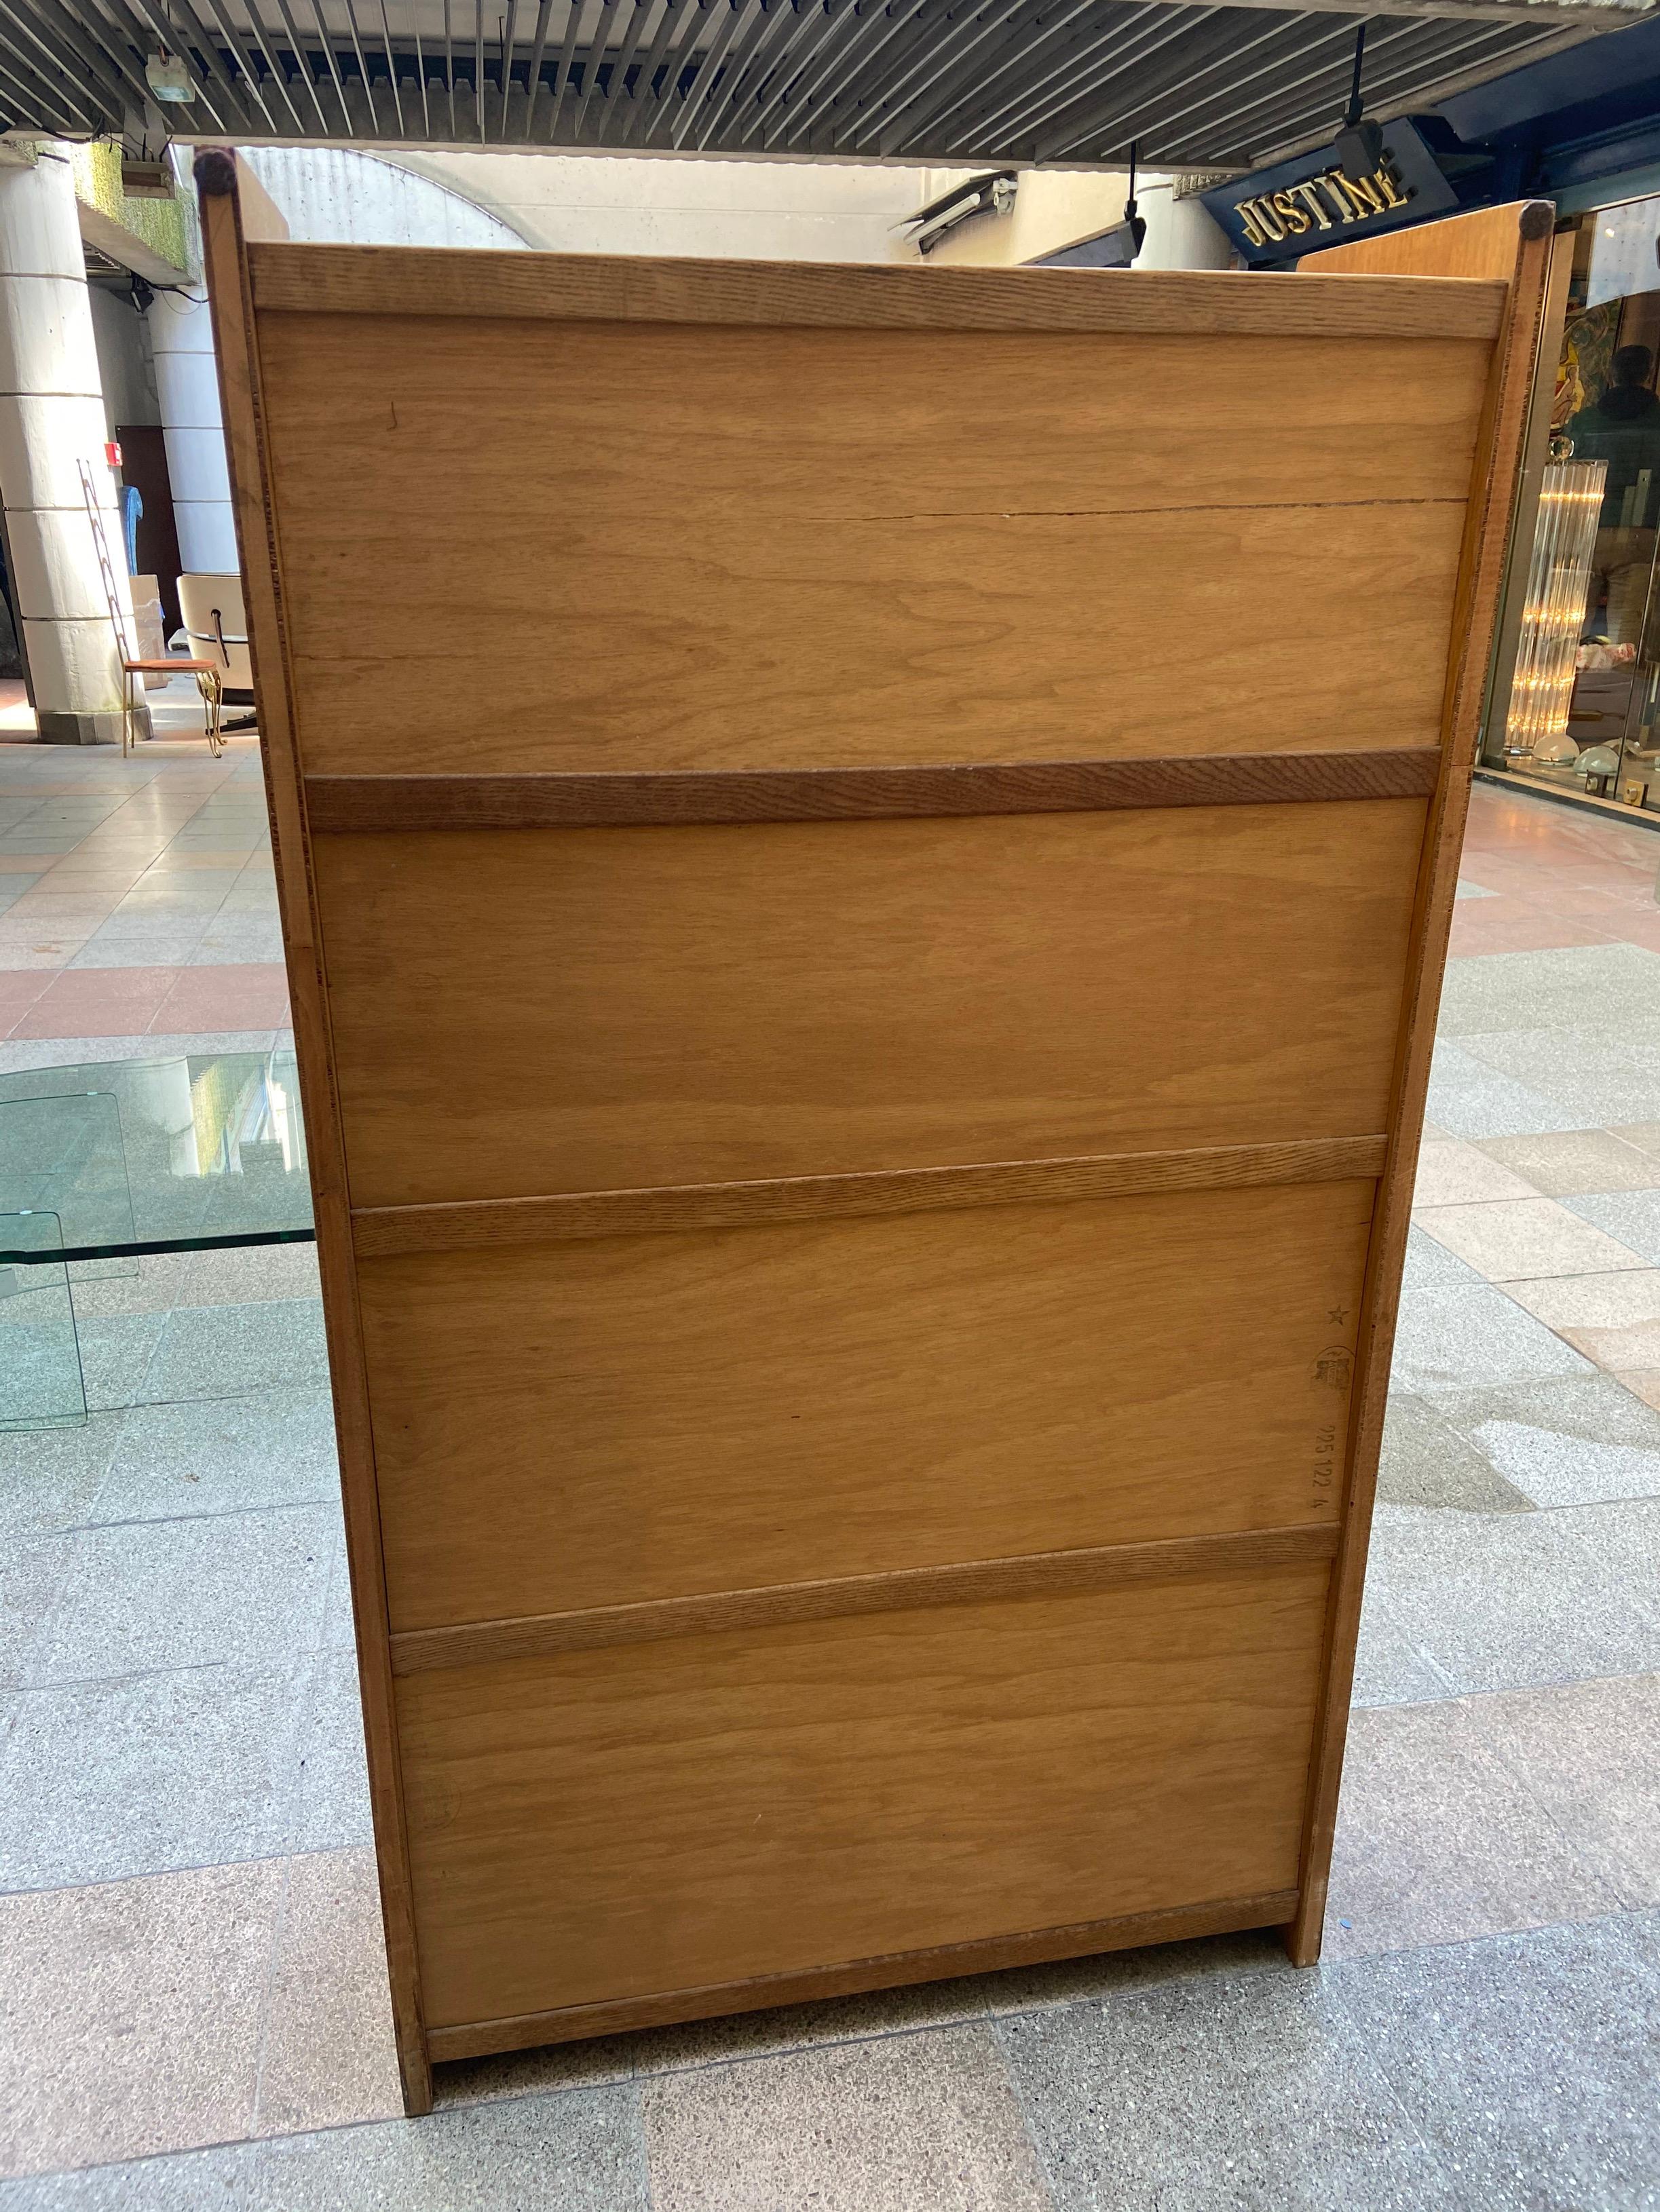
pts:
pixel 1312 202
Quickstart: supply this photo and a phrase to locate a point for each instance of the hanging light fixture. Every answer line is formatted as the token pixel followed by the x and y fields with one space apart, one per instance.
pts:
pixel 1358 146
pixel 1108 249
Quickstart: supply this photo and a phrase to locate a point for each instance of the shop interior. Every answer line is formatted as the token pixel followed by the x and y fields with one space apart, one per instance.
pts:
pixel 1577 703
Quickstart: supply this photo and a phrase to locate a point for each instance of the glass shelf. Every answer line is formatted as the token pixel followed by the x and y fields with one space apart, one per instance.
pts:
pixel 141 1156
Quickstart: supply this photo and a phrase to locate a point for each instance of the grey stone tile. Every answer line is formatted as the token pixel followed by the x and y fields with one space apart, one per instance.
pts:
pixel 1077 1981
pixel 1430 1265
pixel 1215 2096
pixel 1468 1099
pixel 339 1632
pixel 1527 2063
pixel 925 2121
pixel 129 2017
pixel 1624 1536
pixel 1574 1440
pixel 218 1352
pixel 331 1805
pixel 252 1274
pixel 1522 1240
pixel 1390 1669
pixel 1574 986
pixel 1467 1337
pixel 1632 1216
pixel 1426 1462
pixel 1501 1601
pixel 48 1476
pixel 1593 1078
pixel 1575 1162
pixel 146 1286
pixel 577 2153
pixel 115 1355
pixel 221 1454
pixel 102 1780
pixel 33 1571
pixel 244 1588
pixel 1438 1840
pixel 700 2043
pixel 510 2073
pixel 1590 1752
pixel 328 2057
pixel 1543 1053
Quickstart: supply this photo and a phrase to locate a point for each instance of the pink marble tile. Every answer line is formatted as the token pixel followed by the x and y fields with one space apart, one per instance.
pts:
pixel 18 989
pixel 1511 925
pixel 102 1002
pixel 250 997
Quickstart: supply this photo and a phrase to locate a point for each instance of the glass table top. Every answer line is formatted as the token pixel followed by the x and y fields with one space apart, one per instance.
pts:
pixel 137 1156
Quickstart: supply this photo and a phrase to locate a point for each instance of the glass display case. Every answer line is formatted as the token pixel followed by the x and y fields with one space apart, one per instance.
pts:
pixel 1577 692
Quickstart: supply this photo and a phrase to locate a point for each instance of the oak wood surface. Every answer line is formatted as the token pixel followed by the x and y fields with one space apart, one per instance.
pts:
pixel 236 342
pixel 705 520
pixel 886 641
pixel 1129 1931
pixel 380 1233
pixel 1107 1567
pixel 613 1823
pixel 523 1012
pixel 646 424
pixel 544 802
pixel 1512 243
pixel 610 1420
pixel 380 280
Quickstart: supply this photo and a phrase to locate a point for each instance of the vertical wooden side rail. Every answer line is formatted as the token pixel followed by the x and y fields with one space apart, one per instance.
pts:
pixel 1512 243
pixel 224 239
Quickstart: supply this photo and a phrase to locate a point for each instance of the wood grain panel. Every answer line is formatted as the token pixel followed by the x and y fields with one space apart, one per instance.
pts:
pixel 810 794
pixel 601 1423
pixel 1085 1939
pixel 619 1823
pixel 672 645
pixel 1033 1574
pixel 729 425
pixel 380 1232
pixel 522 1012
pixel 383 280
pixel 242 400
pixel 1513 243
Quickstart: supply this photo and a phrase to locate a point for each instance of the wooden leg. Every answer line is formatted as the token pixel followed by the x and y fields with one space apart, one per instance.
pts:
pixel 126 711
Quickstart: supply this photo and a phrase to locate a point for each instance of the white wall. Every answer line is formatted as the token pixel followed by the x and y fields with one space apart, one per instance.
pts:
pixel 331 196
pixel 123 359
pixel 616 203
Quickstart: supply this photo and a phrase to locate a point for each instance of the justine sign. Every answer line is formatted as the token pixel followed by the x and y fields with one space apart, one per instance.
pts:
pixel 1279 213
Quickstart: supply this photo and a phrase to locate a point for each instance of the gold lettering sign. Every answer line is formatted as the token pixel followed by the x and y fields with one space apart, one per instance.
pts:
pixel 1331 200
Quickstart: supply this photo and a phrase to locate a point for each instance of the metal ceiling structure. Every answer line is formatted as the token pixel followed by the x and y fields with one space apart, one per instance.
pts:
pixel 941 82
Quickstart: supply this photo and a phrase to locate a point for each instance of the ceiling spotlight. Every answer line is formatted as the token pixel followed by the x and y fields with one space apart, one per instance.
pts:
pixel 167 77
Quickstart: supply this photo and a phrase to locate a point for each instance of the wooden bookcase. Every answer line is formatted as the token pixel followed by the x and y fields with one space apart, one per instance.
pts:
pixel 865 855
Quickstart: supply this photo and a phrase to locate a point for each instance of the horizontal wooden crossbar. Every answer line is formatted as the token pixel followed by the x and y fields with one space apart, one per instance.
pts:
pixel 1038 1574
pixel 390 280
pixel 812 794
pixel 989 1954
pixel 382 1232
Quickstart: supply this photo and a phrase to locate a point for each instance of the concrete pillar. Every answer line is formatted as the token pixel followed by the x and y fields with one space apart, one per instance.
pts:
pixel 187 389
pixel 51 417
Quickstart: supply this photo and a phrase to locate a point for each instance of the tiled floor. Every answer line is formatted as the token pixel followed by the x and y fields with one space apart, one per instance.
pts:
pixel 193 2013
pixel 137 905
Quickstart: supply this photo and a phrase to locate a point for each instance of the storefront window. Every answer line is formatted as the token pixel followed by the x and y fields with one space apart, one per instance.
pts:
pixel 1579 709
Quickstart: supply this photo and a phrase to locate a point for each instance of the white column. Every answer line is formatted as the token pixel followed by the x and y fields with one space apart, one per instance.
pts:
pixel 187 388
pixel 51 417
